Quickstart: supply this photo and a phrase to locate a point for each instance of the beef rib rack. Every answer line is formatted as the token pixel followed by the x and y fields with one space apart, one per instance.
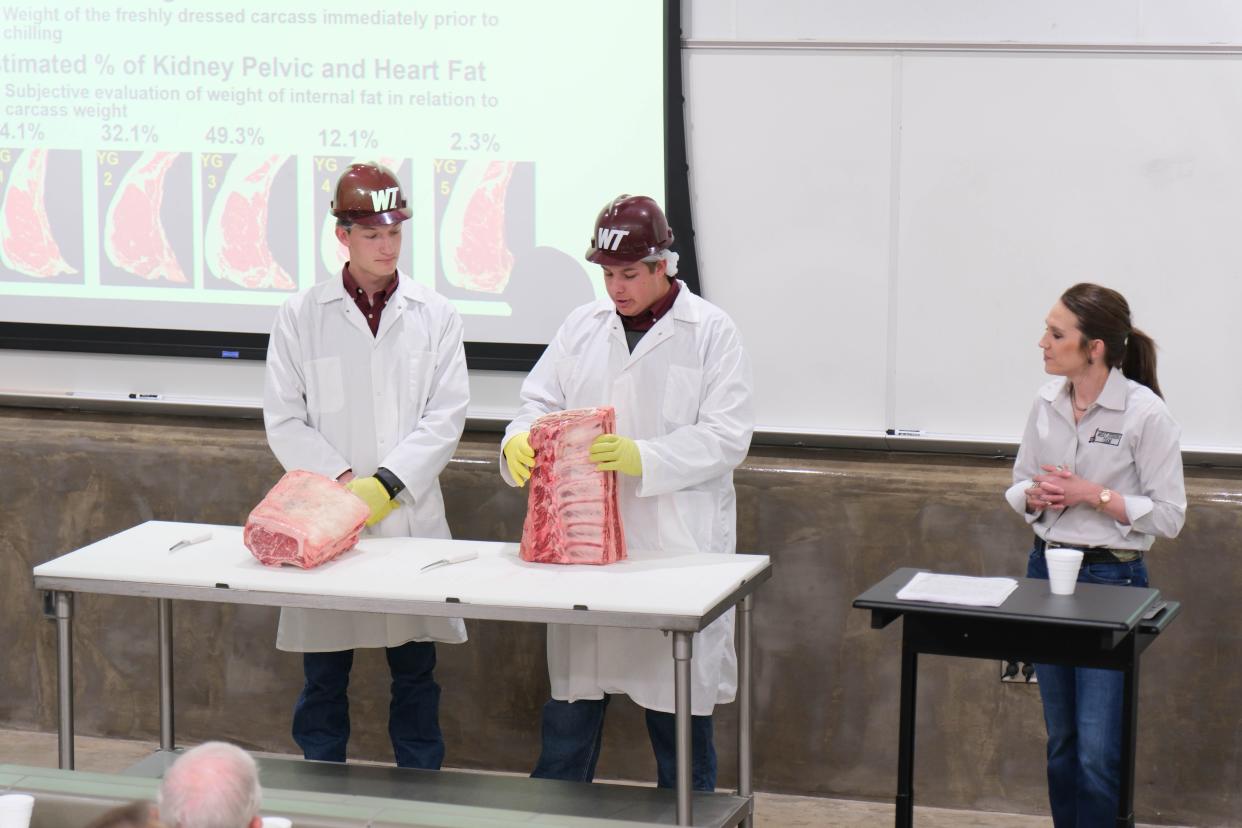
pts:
pixel 305 520
pixel 572 516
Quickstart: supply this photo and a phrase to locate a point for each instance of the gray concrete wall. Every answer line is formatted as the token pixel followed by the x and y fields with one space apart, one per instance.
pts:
pixel 833 522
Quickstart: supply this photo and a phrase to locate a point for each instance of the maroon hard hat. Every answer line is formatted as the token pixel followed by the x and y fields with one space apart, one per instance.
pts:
pixel 629 229
pixel 369 194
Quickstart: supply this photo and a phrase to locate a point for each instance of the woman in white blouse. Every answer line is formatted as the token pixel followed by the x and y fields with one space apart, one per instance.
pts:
pixel 1099 469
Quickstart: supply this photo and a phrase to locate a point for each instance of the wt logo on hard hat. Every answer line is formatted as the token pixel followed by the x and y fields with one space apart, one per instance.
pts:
pixel 385 199
pixel 608 239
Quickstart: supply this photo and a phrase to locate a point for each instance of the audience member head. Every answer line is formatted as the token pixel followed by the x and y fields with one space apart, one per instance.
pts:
pixel 133 815
pixel 214 785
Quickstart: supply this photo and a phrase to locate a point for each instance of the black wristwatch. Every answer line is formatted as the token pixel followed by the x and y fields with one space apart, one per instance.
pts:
pixel 391 483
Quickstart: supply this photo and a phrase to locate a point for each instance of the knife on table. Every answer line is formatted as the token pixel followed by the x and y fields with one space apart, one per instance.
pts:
pixel 460 557
pixel 184 542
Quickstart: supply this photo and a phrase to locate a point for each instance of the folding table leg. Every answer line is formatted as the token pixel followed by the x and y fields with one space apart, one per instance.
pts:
pixel 745 777
pixel 64 676
pixel 682 652
pixel 167 740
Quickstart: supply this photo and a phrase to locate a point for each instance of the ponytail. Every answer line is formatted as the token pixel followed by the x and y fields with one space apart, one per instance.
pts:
pixel 1139 362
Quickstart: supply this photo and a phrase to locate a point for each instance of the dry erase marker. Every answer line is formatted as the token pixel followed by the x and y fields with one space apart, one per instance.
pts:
pixel 903 432
pixel 144 396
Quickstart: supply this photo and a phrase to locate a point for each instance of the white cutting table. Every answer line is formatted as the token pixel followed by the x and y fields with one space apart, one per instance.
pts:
pixel 680 594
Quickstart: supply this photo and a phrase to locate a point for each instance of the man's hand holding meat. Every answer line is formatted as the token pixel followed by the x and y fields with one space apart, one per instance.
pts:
pixel 373 493
pixel 612 452
pixel 520 457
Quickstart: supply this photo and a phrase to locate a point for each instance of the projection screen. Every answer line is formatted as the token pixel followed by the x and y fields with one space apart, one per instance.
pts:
pixel 166 168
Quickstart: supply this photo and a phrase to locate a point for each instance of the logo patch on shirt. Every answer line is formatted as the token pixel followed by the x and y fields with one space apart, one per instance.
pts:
pixel 1111 438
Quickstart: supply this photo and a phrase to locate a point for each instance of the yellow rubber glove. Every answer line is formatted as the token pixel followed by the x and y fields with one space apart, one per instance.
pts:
pixel 372 492
pixel 520 457
pixel 612 452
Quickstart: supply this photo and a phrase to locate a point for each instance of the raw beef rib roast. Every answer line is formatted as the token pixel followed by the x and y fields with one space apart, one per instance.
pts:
pixel 305 520
pixel 572 515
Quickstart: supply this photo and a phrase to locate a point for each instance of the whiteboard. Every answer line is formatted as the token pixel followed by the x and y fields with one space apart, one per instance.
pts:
pixel 1135 22
pixel 792 219
pixel 1023 176
pixel 921 213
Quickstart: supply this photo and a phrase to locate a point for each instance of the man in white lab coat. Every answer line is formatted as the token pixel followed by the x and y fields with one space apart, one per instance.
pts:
pixel 673 366
pixel 366 383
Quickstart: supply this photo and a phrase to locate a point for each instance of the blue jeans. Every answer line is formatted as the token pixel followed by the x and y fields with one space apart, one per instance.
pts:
pixel 1082 710
pixel 573 733
pixel 321 715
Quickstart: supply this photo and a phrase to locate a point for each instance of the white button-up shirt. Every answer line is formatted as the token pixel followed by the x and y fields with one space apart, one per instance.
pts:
pixel 1126 442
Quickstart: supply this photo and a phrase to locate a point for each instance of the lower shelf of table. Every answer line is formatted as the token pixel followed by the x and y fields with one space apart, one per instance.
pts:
pixel 486 794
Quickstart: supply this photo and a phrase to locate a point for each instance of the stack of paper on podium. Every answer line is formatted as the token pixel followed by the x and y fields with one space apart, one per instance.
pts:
pixel 957 589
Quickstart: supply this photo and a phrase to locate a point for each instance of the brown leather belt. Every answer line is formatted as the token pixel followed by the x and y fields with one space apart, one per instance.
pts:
pixel 1094 554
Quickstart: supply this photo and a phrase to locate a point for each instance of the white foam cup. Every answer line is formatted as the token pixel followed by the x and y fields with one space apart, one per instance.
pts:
pixel 277 822
pixel 15 810
pixel 1063 567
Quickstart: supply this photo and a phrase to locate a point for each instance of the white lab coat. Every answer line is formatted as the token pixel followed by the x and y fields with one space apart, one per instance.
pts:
pixel 338 398
pixel 684 396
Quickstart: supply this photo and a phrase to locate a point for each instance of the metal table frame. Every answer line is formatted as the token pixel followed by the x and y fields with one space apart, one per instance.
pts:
pixel 996 633
pixel 681 627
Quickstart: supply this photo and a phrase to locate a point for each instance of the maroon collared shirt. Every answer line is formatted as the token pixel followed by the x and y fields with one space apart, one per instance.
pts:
pixel 370 310
pixel 646 320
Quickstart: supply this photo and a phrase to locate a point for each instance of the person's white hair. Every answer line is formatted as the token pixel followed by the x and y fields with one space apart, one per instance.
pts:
pixel 668 256
pixel 214 785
